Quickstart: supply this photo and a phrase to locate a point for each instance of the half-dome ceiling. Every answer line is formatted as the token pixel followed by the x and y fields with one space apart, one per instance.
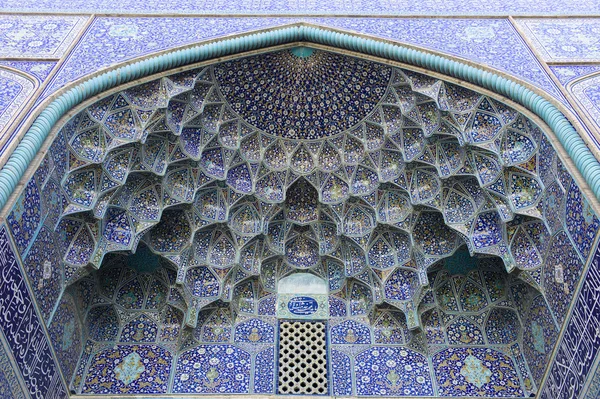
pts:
pixel 310 97
pixel 256 168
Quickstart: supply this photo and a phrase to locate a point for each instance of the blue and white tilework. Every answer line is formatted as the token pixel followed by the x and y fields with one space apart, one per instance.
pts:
pixel 10 387
pixel 15 90
pixel 391 371
pixel 23 330
pixel 112 40
pixel 25 217
pixel 572 40
pixel 568 73
pixel 213 369
pixel 264 371
pixel 340 7
pixel 581 220
pixel 586 93
pixel 129 368
pixel 43 266
pixel 578 349
pixel 485 41
pixel 341 371
pixel 38 69
pixel 66 334
pixel 194 195
pixel 38 36
pixel 539 337
pixel 492 42
pixel 476 372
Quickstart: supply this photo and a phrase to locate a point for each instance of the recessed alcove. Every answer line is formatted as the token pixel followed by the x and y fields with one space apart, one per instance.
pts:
pixel 195 207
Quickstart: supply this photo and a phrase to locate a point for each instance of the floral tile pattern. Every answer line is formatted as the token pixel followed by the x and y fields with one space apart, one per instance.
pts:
pixel 213 369
pixel 9 384
pixel 128 369
pixel 43 267
pixel 39 69
pixel 476 372
pixel 483 41
pixel 388 371
pixel 539 337
pixel 586 93
pixel 573 39
pixel 15 90
pixel 41 36
pixel 343 7
pixel 568 73
pixel 66 334
pixel 112 40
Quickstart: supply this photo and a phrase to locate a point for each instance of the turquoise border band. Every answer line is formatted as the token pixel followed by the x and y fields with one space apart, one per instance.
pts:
pixel 23 155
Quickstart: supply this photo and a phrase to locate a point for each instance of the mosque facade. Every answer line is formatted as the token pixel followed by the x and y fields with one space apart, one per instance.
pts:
pixel 260 199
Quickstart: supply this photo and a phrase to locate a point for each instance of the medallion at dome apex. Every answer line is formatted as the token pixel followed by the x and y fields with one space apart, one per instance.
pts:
pixel 361 173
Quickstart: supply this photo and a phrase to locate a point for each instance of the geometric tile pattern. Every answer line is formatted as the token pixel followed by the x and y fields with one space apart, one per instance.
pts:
pixel 185 165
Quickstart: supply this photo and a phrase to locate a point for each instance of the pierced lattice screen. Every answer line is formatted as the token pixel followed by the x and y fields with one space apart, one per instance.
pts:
pixel 302 358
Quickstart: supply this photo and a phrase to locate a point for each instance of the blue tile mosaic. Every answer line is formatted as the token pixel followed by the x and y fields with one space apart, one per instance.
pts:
pixel 539 336
pixel 340 7
pixel 15 90
pixel 66 335
pixel 485 41
pixel 25 217
pixel 568 73
pixel 476 372
pixel 572 39
pixel 213 369
pixel 129 368
pixel 586 93
pixel 481 40
pixel 391 371
pixel 264 374
pixel 39 69
pixel 341 373
pixel 9 383
pixel 43 266
pixel 578 348
pixel 409 172
pixel 581 221
pixel 23 330
pixel 112 40
pixel 38 36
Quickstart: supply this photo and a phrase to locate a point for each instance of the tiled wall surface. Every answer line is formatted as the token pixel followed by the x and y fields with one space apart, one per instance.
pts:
pixel 41 314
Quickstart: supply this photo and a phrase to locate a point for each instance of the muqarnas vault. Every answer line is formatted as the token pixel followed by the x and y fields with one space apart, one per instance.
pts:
pixel 303 221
